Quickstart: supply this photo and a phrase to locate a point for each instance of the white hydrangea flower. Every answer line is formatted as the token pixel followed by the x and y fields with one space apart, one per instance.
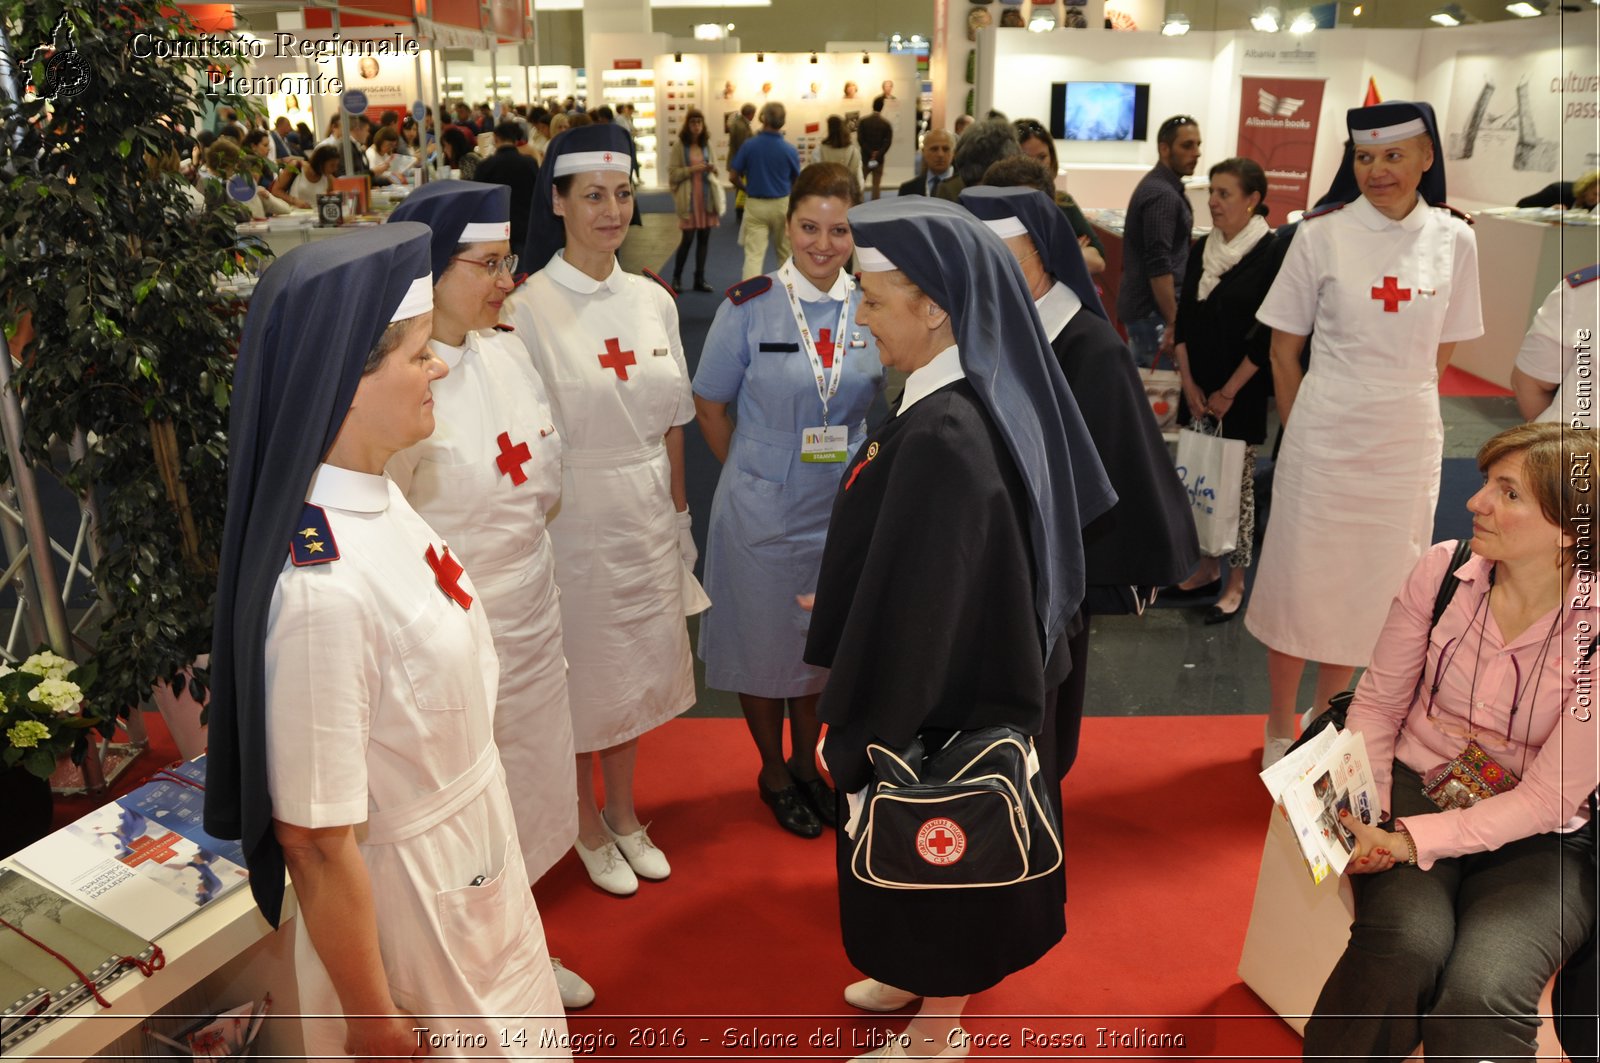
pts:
pixel 48 665
pixel 61 695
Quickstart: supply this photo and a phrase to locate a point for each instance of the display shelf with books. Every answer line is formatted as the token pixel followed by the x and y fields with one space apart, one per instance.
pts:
pixel 637 87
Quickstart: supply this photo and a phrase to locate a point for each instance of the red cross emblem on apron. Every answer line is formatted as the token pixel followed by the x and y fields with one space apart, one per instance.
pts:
pixel 448 571
pixel 825 348
pixel 511 459
pixel 616 358
pixel 1391 295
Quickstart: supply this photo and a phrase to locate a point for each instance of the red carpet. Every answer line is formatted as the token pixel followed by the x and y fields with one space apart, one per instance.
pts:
pixel 1457 383
pixel 1164 823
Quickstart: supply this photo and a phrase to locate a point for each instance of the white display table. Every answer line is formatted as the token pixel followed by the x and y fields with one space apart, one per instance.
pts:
pixel 224 956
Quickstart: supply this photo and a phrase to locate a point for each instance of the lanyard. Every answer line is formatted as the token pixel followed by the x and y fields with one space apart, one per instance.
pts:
pixel 826 388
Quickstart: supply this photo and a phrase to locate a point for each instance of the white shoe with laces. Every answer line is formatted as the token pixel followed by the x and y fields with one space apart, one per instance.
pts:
pixel 1273 749
pixel 607 868
pixel 575 992
pixel 641 853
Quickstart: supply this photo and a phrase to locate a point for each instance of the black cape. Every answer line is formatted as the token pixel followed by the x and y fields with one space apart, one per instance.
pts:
pixel 1147 539
pixel 925 614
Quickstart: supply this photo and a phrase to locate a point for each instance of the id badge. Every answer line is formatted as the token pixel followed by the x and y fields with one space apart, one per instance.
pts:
pixel 825 444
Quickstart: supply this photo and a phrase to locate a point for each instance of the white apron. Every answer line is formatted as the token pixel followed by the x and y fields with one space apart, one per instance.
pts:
pixel 1357 479
pixel 381 692
pixel 489 501
pixel 610 354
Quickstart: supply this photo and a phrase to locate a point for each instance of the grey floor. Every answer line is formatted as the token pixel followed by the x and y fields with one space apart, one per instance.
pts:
pixel 1167 661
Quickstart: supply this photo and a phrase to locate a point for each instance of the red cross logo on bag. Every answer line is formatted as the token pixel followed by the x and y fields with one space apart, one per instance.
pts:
pixel 941 842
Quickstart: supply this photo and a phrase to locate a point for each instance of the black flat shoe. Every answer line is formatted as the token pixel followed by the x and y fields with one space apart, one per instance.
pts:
pixel 822 800
pixel 1175 593
pixel 702 286
pixel 791 809
pixel 1217 616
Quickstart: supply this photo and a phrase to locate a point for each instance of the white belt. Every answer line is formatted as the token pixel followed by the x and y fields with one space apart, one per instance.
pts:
pixel 612 458
pixel 414 817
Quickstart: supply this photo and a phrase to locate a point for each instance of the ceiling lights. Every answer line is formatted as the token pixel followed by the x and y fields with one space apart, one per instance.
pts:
pixel 1526 8
pixel 1303 23
pixel 709 31
pixel 1266 21
pixel 1176 25
pixel 1448 15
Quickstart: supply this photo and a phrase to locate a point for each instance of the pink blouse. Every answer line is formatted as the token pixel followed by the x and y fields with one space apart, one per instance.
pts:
pixel 1548 738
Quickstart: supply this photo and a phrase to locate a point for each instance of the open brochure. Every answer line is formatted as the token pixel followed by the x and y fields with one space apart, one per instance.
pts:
pixel 144 860
pixel 1313 785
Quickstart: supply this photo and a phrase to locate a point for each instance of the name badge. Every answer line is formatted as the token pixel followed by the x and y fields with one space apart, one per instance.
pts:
pixel 660 352
pixel 825 444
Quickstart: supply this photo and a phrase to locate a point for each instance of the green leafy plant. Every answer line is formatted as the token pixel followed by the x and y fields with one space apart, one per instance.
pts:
pixel 41 717
pixel 132 340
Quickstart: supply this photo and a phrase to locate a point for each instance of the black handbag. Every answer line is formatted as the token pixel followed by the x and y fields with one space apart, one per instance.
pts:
pixel 972 814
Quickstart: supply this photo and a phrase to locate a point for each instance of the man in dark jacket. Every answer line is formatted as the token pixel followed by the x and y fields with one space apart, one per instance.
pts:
pixel 508 166
pixel 938 150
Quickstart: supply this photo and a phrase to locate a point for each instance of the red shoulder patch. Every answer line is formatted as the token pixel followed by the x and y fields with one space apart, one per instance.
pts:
pixel 1463 215
pixel 1579 277
pixel 519 280
pixel 1320 211
pixel 501 327
pixel 661 281
pixel 747 290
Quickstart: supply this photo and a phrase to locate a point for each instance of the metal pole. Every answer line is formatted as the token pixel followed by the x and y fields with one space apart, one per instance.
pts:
pixel 39 560
pixel 344 121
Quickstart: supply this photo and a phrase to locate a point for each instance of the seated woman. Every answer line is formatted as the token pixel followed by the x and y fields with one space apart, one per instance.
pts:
pixel 1465 909
pixel 952 567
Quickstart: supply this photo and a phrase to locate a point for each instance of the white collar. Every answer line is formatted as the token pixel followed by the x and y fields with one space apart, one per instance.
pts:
pixel 1376 220
pixel 570 276
pixel 1057 307
pixel 356 492
pixel 945 368
pixel 944 174
pixel 810 293
pixel 451 356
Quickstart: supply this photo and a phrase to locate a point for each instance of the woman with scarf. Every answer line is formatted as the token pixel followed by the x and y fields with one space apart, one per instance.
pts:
pixel 691 176
pixel 1221 350
pixel 354 676
pixel 606 344
pixel 952 567
pixel 486 480
pixel 1388 278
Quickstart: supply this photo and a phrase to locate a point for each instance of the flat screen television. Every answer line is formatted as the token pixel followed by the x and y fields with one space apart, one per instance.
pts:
pixel 1099 110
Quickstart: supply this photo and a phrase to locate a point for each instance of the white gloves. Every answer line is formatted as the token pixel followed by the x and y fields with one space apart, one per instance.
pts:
pixel 686 547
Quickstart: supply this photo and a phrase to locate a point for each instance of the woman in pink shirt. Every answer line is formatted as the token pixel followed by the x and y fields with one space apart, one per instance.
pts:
pixel 1464 913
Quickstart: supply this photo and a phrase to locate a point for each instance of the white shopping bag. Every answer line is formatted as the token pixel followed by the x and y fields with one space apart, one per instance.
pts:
pixel 1212 469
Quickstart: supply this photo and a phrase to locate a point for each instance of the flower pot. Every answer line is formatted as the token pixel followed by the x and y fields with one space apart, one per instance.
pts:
pixel 28 809
pixel 181 713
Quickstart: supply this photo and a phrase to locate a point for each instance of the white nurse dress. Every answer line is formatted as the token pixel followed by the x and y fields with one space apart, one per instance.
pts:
pixel 610 354
pixel 1358 476
pixel 484 481
pixel 380 701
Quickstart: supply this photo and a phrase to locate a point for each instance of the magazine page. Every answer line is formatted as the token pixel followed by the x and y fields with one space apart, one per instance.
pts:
pixel 1313 784
pixel 133 869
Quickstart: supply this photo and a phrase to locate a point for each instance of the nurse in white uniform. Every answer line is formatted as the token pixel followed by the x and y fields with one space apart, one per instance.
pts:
pixel 485 480
pixel 353 707
pixel 606 344
pixel 1389 282
pixel 1554 378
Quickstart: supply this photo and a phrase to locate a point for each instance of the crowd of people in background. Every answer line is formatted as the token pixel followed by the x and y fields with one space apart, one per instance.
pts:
pixel 977 301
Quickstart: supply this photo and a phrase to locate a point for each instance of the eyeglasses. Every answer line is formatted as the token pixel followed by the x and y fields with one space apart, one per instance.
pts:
pixel 495 266
pixel 1028 127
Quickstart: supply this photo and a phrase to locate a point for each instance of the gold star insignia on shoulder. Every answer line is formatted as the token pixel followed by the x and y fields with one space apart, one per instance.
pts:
pixel 314 547
pixel 309 533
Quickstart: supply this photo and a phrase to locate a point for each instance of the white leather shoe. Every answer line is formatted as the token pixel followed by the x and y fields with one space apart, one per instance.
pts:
pixel 641 853
pixel 1273 749
pixel 575 992
pixel 869 994
pixel 607 868
pixel 895 1049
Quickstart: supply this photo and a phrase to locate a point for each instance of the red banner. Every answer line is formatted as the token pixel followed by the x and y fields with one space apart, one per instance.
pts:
pixel 1278 129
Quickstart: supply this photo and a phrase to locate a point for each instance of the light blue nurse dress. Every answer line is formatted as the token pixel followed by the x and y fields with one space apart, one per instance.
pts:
pixel 770 514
